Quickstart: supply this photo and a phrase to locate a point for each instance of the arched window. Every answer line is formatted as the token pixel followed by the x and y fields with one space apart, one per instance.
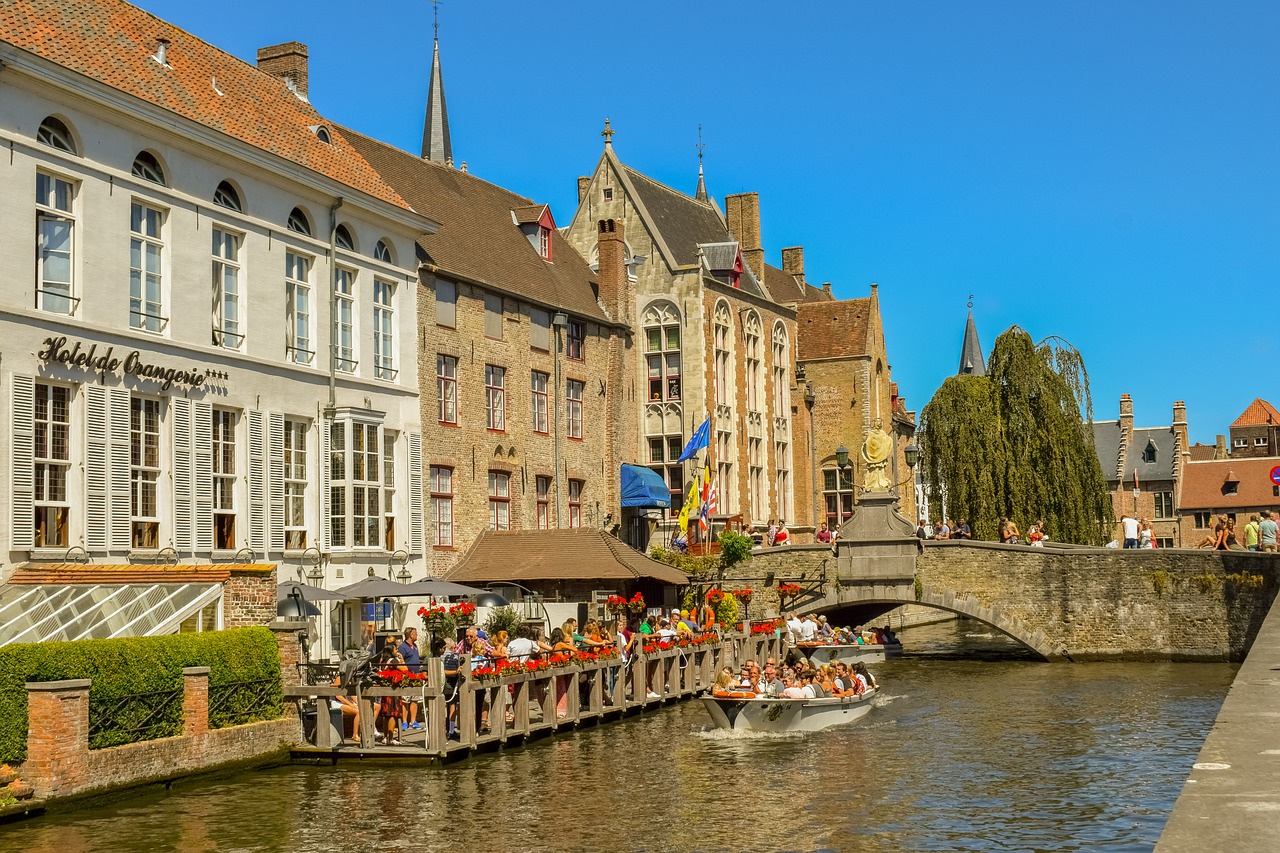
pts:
pixel 147 167
pixel 54 133
pixel 226 196
pixel 782 418
pixel 342 237
pixel 299 222
pixel 753 355
pixel 753 346
pixel 322 133
pixel 662 351
pixel 382 252
pixel 725 449
pixel 723 340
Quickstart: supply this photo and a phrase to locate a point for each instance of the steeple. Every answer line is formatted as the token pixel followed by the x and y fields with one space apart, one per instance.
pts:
pixel 435 128
pixel 701 193
pixel 971 361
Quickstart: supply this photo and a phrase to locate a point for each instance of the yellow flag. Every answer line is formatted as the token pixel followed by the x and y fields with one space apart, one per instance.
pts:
pixel 688 506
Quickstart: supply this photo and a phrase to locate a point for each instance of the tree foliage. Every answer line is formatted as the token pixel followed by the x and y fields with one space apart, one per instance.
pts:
pixel 1018 443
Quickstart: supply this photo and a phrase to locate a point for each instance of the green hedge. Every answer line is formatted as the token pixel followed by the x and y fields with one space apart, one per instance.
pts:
pixel 139 665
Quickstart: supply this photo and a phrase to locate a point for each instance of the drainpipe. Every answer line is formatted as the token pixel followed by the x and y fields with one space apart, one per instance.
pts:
pixel 333 307
pixel 558 322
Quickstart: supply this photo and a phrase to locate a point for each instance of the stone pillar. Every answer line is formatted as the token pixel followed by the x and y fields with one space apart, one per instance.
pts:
pixel 57 737
pixel 195 700
pixel 286 631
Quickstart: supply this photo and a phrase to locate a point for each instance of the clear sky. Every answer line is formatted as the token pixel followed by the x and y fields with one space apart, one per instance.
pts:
pixel 1106 172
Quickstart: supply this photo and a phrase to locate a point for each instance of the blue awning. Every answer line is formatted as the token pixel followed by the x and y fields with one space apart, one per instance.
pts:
pixel 642 487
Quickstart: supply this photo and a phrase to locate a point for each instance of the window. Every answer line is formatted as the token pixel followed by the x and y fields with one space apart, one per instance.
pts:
pixel 759 490
pixel 322 133
pixel 726 452
pixel 442 504
pixel 226 196
pixel 447 387
pixel 1164 505
pixel 1203 520
pixel 224 479
pixel 540 402
pixel 499 500
pixel 226 290
pixel 338 484
pixel 781 372
pixel 52 453
pixel 389 490
pixel 542 486
pixel 299 222
pixel 147 167
pixel 144 460
pixel 665 440
pixel 1239 442
pixel 755 376
pixel 295 485
pixel 662 362
pixel 722 338
pixel 342 238
pixel 544 243
pixel 1231 487
pixel 1260 441
pixel 575 341
pixel 573 405
pixel 344 352
pixel 55 237
pixel 837 491
pixel 446 303
pixel 356 485
pixel 1164 542
pixel 1149 453
pixel 540 329
pixel 493 316
pixel 297 282
pixel 54 133
pixel 146 276
pixel 575 502
pixel 384 335
pixel 382 252
pixel 608 193
pixel 495 404
pixel 782 419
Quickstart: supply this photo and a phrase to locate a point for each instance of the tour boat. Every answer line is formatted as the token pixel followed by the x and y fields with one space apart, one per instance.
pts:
pixel 849 653
pixel 771 714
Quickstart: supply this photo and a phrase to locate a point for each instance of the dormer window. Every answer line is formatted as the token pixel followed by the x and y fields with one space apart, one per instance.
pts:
pixel 298 222
pixel 1149 455
pixel 536 224
pixel 147 167
pixel 322 133
pixel 226 196
pixel 544 243
pixel 342 237
pixel 55 134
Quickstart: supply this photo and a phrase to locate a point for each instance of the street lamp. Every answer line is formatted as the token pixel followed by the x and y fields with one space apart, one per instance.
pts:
pixel 842 456
pixel 911 454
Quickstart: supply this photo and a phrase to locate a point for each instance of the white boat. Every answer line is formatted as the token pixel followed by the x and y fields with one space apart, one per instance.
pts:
pixel 770 714
pixel 849 653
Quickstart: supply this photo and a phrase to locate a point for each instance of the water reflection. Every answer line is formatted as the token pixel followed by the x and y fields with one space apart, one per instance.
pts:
pixel 984 754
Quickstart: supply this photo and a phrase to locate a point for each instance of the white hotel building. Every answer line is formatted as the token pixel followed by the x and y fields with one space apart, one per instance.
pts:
pixel 208 307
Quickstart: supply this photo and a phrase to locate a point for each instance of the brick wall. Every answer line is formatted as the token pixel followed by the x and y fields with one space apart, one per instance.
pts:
pixel 249 598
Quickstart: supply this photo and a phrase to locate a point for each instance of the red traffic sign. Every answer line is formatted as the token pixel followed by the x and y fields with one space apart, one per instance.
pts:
pixel 1275 475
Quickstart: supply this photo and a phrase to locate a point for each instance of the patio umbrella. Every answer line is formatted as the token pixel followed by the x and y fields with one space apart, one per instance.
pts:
pixel 375 587
pixel 433 586
pixel 307 592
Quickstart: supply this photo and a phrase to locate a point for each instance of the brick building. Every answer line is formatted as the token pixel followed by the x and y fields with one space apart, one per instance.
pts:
pixel 1144 468
pixel 1256 433
pixel 1236 488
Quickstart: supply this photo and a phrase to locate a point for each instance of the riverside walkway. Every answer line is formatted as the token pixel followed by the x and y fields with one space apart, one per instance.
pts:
pixel 1231 801
pixel 596 691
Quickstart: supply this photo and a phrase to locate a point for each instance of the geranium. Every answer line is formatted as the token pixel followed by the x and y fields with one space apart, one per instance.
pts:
pixel 560 659
pixel 463 609
pixel 714 596
pixel 617 604
pixel 591 655
pixel 767 627
pixel 432 611
pixel 636 603
pixel 744 594
pixel 788 590
pixel 399 678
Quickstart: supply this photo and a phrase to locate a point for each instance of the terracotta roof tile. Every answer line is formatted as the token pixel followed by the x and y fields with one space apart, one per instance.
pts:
pixel 113 42
pixel 583 554
pixel 835 329
pixel 1202 484
pixel 1259 413
pixel 1202 452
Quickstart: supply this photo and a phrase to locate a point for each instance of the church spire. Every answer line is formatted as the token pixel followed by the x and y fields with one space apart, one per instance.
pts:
pixel 435 128
pixel 701 193
pixel 971 361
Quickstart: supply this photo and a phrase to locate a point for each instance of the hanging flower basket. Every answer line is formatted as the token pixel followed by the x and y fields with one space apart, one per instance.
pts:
pixel 636 603
pixel 617 605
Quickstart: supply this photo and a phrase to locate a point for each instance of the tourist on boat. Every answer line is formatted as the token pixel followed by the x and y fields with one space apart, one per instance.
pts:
pixel 808 629
pixel 888 637
pixel 792 690
pixel 793 628
pixel 724 683
pixel 770 682
pixel 824 630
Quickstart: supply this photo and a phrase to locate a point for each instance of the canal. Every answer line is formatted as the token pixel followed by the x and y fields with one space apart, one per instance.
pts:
pixel 972 746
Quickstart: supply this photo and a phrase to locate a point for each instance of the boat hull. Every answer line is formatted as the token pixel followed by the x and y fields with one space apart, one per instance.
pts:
pixel 786 715
pixel 850 654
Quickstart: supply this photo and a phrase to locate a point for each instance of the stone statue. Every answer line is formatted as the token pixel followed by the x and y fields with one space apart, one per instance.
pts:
pixel 875 452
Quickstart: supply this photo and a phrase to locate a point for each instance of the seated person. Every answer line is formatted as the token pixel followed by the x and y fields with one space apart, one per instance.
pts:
pixel 792 690
pixel 350 710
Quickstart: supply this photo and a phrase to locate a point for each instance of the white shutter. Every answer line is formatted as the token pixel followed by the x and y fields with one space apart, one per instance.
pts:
pixel 202 427
pixel 276 450
pixel 326 537
pixel 22 434
pixel 257 484
pixel 121 530
pixel 183 485
pixel 97 467
pixel 417 543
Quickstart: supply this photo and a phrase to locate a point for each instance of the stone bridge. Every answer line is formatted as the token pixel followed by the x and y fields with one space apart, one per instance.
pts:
pixel 1065 603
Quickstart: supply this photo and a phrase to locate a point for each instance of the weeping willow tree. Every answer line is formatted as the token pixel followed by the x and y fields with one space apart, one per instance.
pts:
pixel 1018 443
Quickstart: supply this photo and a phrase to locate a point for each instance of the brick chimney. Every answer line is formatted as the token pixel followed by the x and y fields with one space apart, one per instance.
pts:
pixel 287 61
pixel 584 183
pixel 743 212
pixel 793 261
pixel 1220 447
pixel 615 287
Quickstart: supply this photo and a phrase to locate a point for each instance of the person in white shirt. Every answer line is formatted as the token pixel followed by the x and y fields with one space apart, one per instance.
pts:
pixel 522 648
pixel 793 628
pixel 664 630
pixel 808 629
pixel 1131 528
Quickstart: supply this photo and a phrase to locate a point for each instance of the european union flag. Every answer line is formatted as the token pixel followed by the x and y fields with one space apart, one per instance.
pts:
pixel 701 437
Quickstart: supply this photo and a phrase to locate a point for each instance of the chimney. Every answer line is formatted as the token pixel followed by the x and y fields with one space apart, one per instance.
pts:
pixel 826 288
pixel 583 184
pixel 612 271
pixel 287 61
pixel 1126 415
pixel 162 52
pixel 793 261
pixel 1220 447
pixel 743 212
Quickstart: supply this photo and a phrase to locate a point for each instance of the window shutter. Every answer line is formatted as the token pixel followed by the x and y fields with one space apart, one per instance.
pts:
pixel 97 467
pixel 202 427
pixel 417 542
pixel 121 531
pixel 23 435
pixel 276 450
pixel 257 483
pixel 326 537
pixel 183 485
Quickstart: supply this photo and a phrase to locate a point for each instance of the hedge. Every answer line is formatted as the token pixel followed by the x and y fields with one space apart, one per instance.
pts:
pixel 139 665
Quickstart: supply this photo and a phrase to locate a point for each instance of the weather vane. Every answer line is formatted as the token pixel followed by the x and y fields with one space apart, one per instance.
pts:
pixel 700 146
pixel 435 13
pixel 970 302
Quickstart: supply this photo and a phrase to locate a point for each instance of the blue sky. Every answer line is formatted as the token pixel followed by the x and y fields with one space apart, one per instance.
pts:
pixel 1106 172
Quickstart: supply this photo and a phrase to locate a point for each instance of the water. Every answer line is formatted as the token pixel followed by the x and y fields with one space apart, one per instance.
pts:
pixel 968 748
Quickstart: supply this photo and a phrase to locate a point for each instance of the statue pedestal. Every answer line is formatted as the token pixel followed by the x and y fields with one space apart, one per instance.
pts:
pixel 878 543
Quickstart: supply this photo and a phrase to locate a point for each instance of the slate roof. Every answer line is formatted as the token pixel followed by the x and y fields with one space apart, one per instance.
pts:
pixel 1259 413
pixel 720 256
pixel 835 329
pixel 971 360
pixel 112 42
pixel 1106 439
pixel 1202 484
pixel 683 222
pixel 477 240
pixel 581 554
